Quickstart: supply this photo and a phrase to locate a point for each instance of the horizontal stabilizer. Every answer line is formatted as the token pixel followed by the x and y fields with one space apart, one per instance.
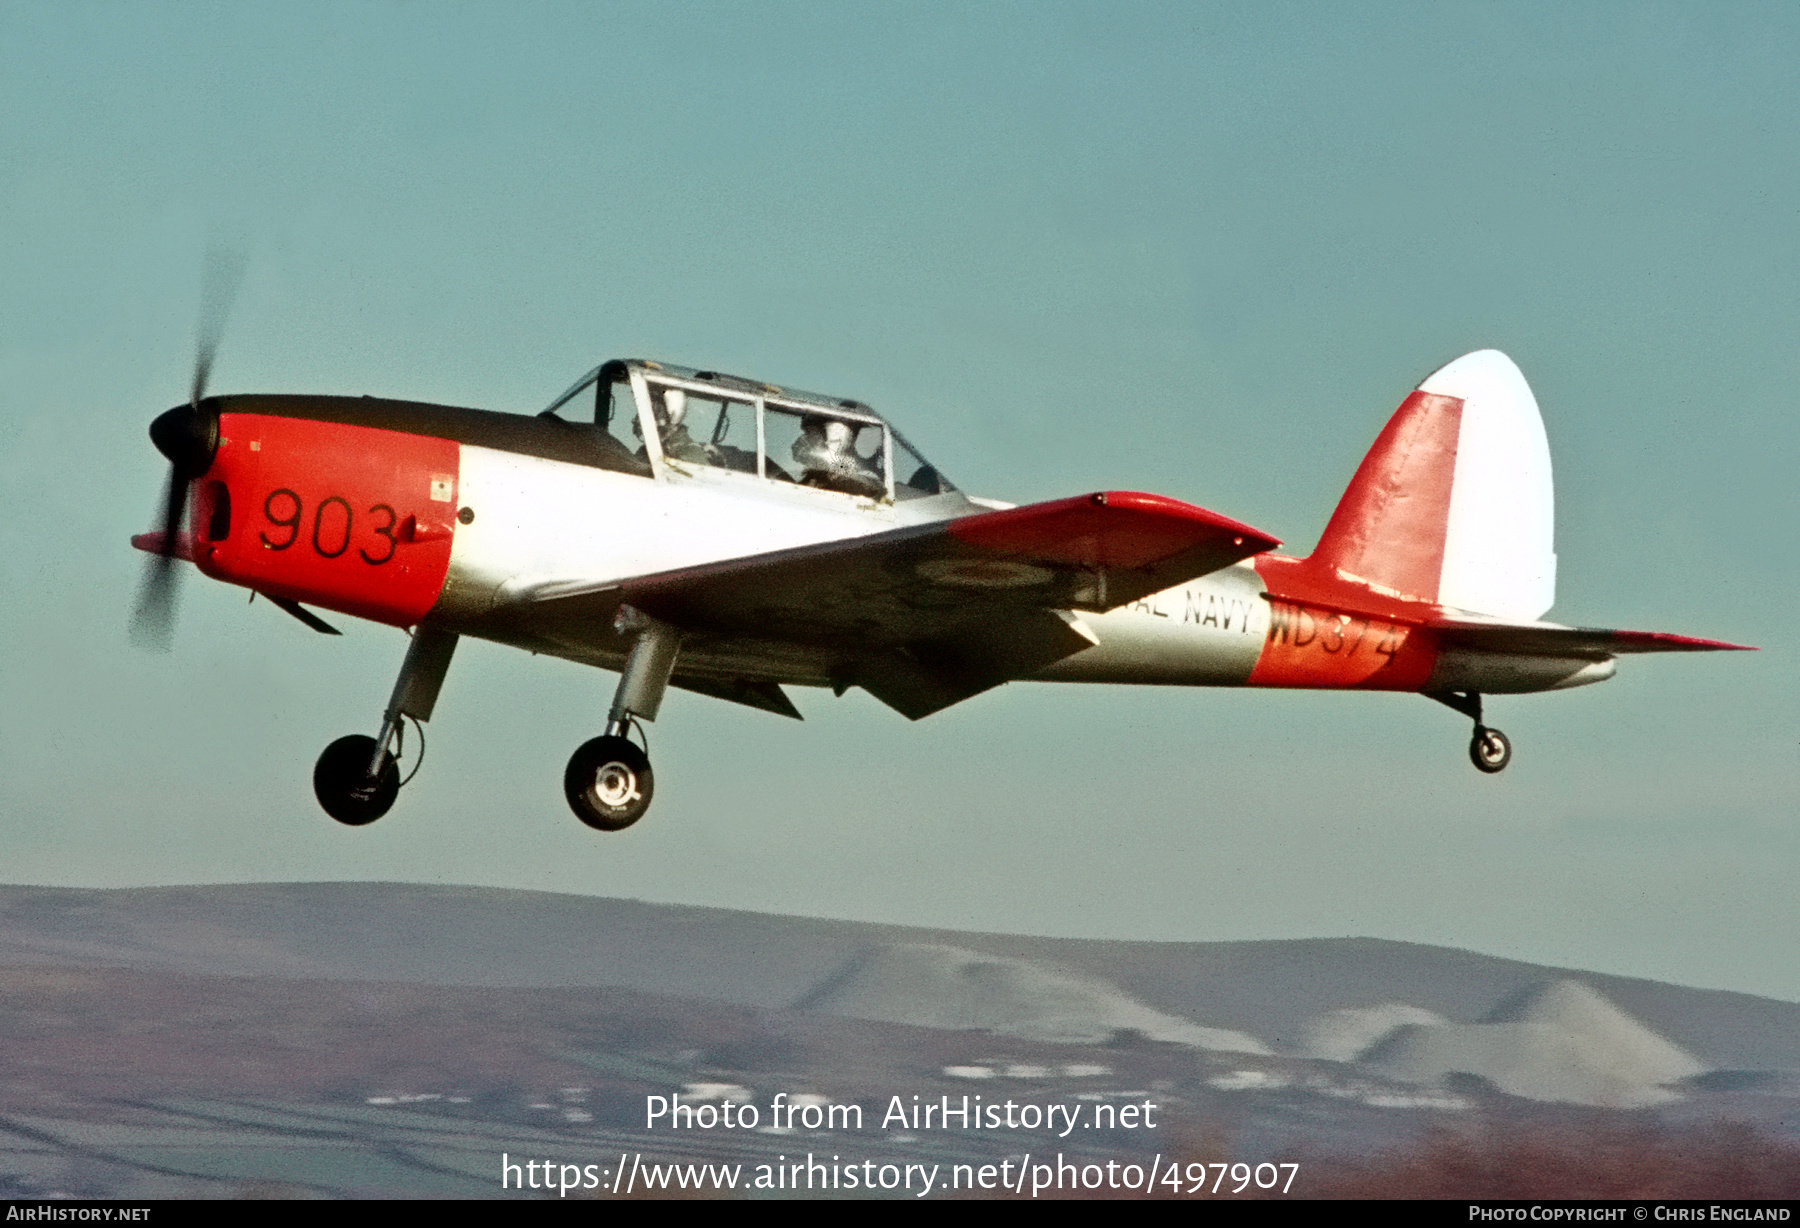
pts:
pixel 1549 640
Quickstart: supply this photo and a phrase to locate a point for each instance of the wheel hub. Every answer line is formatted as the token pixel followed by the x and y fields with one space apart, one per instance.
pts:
pixel 608 783
pixel 615 785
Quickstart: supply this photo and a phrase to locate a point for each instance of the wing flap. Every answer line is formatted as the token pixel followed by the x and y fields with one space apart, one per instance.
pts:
pixel 928 676
pixel 766 696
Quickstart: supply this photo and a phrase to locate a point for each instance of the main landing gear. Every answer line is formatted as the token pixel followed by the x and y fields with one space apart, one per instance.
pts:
pixel 608 781
pixel 1489 749
pixel 358 777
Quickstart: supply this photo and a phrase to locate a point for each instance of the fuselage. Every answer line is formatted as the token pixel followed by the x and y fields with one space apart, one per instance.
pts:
pixel 729 537
pixel 405 513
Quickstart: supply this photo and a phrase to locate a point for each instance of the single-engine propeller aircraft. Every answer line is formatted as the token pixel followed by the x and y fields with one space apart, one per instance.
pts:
pixel 731 537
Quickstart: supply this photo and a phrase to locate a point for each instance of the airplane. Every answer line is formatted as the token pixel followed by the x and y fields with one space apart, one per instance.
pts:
pixel 732 537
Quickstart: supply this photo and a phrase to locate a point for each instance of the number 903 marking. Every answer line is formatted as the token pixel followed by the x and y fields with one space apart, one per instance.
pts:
pixel 284 510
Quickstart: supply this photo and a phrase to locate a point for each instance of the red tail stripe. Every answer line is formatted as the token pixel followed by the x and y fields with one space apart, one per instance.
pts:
pixel 1389 527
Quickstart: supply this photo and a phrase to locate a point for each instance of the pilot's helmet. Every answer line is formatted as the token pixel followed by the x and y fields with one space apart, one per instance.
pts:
pixel 824 443
pixel 674 406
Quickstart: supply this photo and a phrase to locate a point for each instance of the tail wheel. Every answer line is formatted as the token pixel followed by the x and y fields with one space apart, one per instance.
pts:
pixel 609 783
pixel 1489 750
pixel 343 786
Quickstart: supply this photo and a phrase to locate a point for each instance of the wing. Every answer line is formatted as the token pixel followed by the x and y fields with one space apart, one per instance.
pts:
pixel 923 616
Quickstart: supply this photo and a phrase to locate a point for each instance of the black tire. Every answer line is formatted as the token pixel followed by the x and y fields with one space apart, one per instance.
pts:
pixel 1489 749
pixel 609 783
pixel 342 785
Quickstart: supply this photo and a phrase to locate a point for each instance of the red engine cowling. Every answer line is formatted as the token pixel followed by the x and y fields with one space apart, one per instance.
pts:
pixel 351 518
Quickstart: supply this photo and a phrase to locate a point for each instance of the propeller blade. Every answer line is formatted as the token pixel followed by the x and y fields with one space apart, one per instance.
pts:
pixel 153 622
pixel 219 282
pixel 187 438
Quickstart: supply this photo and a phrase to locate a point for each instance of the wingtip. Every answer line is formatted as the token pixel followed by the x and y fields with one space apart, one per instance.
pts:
pixel 1164 505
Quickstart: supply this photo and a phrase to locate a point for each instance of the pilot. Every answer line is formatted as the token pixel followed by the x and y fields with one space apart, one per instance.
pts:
pixel 828 459
pixel 670 407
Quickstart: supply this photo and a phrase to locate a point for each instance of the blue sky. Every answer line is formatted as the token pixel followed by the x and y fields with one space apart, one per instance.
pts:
pixel 1201 250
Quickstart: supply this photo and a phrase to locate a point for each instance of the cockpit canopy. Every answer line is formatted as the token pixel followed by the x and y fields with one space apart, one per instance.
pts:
pixel 696 422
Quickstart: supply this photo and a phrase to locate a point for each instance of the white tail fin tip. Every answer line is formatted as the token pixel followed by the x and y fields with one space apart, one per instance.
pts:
pixel 1499 546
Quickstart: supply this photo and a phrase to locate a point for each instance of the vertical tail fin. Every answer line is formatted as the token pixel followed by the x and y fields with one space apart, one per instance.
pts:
pixel 1453 504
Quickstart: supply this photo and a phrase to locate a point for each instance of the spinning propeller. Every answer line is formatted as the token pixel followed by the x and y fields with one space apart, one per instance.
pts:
pixel 188 435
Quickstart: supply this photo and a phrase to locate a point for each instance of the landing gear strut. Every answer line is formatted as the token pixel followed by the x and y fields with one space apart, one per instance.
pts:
pixel 358 777
pixel 1489 749
pixel 608 781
